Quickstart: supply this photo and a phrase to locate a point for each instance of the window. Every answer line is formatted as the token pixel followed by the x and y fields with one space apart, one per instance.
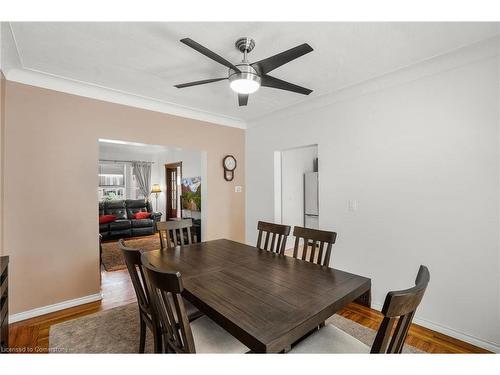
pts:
pixel 112 181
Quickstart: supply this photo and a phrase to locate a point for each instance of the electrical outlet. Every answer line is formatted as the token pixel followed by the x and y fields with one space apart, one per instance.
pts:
pixel 237 189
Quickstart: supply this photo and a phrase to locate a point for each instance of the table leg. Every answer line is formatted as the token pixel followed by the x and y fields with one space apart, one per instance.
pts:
pixel 365 299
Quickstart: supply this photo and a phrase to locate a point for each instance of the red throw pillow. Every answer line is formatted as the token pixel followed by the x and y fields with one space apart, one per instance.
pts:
pixel 142 215
pixel 104 219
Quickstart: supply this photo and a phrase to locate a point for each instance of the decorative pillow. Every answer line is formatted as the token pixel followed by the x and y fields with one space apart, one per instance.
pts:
pixel 142 215
pixel 104 219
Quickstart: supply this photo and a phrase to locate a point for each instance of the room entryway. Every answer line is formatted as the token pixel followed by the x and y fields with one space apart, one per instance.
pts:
pixel 297 187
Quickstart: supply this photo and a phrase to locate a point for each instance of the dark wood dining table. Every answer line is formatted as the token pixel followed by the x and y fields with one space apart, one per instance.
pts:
pixel 265 300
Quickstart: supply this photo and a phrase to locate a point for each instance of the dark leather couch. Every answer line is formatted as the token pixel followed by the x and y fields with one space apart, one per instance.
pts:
pixel 125 225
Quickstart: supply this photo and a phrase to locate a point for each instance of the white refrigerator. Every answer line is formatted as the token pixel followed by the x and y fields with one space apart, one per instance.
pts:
pixel 311 200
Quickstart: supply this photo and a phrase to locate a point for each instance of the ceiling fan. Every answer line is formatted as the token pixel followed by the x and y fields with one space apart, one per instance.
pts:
pixel 245 78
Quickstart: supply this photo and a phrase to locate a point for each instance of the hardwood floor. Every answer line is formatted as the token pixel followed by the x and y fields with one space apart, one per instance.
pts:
pixel 32 335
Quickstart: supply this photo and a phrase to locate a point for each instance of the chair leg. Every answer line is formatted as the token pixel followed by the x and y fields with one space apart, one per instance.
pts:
pixel 142 339
pixel 157 341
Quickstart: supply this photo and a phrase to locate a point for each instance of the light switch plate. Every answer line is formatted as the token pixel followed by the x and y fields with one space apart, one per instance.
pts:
pixel 353 205
pixel 237 189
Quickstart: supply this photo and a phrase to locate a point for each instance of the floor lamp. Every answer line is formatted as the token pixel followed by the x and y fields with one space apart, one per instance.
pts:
pixel 156 190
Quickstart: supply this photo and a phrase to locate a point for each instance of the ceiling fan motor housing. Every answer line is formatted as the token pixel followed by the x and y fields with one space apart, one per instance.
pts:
pixel 247 73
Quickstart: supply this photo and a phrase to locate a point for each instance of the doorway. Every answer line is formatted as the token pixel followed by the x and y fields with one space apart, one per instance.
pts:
pixel 296 195
pixel 173 177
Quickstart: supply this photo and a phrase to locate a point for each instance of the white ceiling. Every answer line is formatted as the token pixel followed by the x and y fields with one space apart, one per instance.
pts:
pixel 147 59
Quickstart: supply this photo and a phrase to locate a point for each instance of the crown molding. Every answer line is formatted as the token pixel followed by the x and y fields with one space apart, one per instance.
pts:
pixel 484 49
pixel 62 84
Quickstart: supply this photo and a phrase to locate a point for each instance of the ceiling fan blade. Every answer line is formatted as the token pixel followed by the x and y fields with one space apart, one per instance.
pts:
pixel 205 51
pixel 243 99
pixel 196 83
pixel 273 62
pixel 276 83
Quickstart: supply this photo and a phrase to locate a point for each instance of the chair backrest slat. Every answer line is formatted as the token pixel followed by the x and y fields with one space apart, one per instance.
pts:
pixel 399 306
pixel 304 248
pixel 273 240
pixel 277 233
pixel 266 243
pixel 311 239
pixel 259 239
pixel 313 251
pixel 165 289
pixel 320 252
pixel 296 247
pixel 175 233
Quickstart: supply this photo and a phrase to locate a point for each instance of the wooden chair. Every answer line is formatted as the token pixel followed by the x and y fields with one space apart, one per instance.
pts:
pixel 175 233
pixel 311 239
pixel 146 317
pixel 398 307
pixel 279 235
pixel 179 335
pixel 133 261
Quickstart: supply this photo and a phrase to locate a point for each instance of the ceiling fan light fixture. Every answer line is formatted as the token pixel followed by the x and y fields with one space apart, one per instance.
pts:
pixel 247 81
pixel 244 85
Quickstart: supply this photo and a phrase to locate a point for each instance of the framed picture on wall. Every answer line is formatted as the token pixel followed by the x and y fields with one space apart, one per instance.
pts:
pixel 191 193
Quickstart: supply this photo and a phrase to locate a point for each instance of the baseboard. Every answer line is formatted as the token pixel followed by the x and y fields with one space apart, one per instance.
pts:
pixel 492 347
pixel 55 307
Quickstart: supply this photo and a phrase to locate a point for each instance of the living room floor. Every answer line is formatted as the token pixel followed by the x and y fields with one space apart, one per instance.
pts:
pixel 117 290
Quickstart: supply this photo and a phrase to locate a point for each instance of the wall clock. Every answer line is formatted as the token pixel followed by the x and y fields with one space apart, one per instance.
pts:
pixel 229 164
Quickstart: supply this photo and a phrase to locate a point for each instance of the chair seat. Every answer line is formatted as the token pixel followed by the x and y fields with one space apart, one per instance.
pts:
pixel 209 337
pixel 330 339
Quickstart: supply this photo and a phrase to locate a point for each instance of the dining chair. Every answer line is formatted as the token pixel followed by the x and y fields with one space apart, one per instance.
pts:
pixel 313 238
pixel 146 317
pixel 399 308
pixel 179 334
pixel 279 234
pixel 175 233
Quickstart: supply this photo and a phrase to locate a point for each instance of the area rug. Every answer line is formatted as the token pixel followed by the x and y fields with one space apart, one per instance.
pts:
pixel 112 258
pixel 117 331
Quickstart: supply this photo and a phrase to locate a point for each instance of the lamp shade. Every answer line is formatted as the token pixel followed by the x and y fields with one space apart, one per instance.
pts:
pixel 155 188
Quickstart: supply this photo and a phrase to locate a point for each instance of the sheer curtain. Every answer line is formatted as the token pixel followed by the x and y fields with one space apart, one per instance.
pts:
pixel 142 173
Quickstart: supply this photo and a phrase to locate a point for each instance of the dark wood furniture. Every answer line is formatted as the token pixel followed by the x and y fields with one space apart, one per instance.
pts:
pixel 147 318
pixel 4 304
pixel 265 300
pixel 175 233
pixel 399 307
pixel 178 333
pixel 278 234
pixel 165 289
pixel 313 238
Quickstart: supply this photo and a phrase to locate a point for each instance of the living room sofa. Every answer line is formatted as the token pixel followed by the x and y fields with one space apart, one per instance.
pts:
pixel 125 224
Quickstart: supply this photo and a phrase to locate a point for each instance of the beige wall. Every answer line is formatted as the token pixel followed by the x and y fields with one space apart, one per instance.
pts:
pixel 50 210
pixel 2 127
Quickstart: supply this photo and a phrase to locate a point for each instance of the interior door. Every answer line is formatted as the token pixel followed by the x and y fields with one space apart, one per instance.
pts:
pixel 173 176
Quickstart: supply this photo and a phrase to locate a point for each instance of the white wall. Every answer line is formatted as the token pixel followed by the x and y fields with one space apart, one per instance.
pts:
pixel 294 163
pixel 191 163
pixel 419 151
